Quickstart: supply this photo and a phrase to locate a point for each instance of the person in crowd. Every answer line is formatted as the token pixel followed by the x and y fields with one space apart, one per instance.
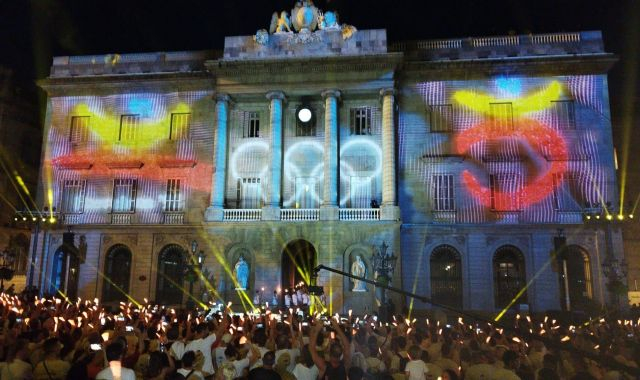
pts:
pixel 266 371
pixel 52 367
pixel 188 370
pixel 17 365
pixel 115 371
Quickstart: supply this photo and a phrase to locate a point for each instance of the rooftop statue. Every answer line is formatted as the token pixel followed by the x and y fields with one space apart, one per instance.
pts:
pixel 279 24
pixel 305 16
pixel 328 20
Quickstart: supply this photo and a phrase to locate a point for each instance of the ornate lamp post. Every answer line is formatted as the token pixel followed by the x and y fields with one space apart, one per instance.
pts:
pixel 615 271
pixel 6 266
pixel 196 260
pixel 384 263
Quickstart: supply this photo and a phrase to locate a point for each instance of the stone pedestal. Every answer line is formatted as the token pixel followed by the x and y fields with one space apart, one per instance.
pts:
pixel 389 212
pixel 329 213
pixel 214 214
pixel 270 213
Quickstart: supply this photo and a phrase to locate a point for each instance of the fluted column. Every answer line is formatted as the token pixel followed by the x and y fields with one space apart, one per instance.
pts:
pixel 272 209
pixel 389 210
pixel 215 211
pixel 331 159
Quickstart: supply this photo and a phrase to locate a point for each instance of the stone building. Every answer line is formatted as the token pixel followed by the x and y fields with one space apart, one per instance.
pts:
pixel 471 159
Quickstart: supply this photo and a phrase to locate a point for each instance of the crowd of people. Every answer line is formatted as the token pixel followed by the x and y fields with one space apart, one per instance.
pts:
pixel 55 339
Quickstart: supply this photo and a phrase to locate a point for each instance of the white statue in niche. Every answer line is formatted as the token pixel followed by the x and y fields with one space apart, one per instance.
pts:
pixel 241 273
pixel 359 269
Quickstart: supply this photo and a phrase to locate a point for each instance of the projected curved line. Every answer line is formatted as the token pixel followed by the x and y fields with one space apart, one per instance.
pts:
pixel 243 148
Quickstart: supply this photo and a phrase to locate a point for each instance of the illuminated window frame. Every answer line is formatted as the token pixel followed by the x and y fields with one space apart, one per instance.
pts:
pixel 73 194
pixel 124 195
pixel 563 201
pixel 361 120
pixel 501 182
pixel 251 124
pixel 174 195
pixel 243 201
pixel 441 118
pixel 564 114
pixel 443 192
pixel 129 127
pixel 502 115
pixel 79 129
pixel 180 126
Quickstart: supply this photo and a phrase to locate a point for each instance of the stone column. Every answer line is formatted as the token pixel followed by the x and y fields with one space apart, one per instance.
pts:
pixel 388 209
pixel 271 211
pixel 215 211
pixel 330 208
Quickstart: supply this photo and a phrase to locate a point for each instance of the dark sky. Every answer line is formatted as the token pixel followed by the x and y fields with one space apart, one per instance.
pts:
pixel 32 31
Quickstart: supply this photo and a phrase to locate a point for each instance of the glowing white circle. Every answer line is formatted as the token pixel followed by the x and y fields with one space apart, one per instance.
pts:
pixel 304 115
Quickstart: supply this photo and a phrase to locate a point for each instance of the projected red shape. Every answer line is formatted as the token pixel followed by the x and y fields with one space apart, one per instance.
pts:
pixel 540 140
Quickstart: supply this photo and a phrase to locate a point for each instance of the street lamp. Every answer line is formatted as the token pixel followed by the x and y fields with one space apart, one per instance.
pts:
pixel 615 271
pixel 6 266
pixel 384 263
pixel 196 260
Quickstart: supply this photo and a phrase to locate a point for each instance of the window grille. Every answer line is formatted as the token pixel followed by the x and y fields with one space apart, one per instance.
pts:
pixel 173 197
pixel 129 127
pixel 79 129
pixel 180 125
pixel 505 192
pixel 502 115
pixel 443 194
pixel 564 114
pixel 124 195
pixel 361 120
pixel 249 193
pixel 441 117
pixel 73 194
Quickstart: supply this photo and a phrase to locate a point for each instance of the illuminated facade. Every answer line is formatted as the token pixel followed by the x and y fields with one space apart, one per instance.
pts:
pixel 467 157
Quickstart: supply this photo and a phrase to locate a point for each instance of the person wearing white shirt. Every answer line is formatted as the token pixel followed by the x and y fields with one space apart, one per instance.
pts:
pixel 18 368
pixel 203 344
pixel 306 370
pixel 115 370
pixel 416 369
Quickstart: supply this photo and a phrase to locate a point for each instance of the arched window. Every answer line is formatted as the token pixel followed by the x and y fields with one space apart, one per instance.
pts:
pixel 117 269
pixel 509 275
pixel 575 276
pixel 64 273
pixel 171 270
pixel 446 276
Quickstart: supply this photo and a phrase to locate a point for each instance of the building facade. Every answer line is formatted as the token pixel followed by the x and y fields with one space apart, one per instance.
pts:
pixel 473 160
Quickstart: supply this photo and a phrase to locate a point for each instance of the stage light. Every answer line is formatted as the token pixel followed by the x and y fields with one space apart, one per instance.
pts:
pixel 630 216
pixel 609 216
pixel 620 217
pixel 597 216
pixel 588 217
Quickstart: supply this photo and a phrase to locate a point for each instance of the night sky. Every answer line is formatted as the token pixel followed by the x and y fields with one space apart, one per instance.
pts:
pixel 32 31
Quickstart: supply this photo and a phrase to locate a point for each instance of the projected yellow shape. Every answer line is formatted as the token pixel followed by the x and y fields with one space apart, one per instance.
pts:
pixel 537 101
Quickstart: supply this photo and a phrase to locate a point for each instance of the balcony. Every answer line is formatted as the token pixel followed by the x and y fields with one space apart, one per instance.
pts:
pixel 441 216
pixel 242 215
pixel 173 217
pixel 299 214
pixel 121 218
pixel 71 219
pixel 357 214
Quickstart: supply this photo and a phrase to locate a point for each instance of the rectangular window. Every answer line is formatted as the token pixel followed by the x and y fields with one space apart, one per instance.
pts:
pixel 502 114
pixel 443 195
pixel 441 117
pixel 249 193
pixel 251 127
pixel 124 195
pixel 306 192
pixel 361 121
pixel 361 192
pixel 73 192
pixel 180 125
pixel 79 130
pixel 129 125
pixel 174 197
pixel 505 190
pixel 568 193
pixel 564 114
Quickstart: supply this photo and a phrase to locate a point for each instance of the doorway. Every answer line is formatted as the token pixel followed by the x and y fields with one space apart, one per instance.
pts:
pixel 298 261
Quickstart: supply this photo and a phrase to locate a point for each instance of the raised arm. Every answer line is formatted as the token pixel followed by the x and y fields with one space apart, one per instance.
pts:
pixel 346 346
pixel 313 341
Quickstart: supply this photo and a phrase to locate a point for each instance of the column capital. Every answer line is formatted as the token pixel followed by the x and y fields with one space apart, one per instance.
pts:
pixel 271 95
pixel 333 93
pixel 387 91
pixel 221 97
